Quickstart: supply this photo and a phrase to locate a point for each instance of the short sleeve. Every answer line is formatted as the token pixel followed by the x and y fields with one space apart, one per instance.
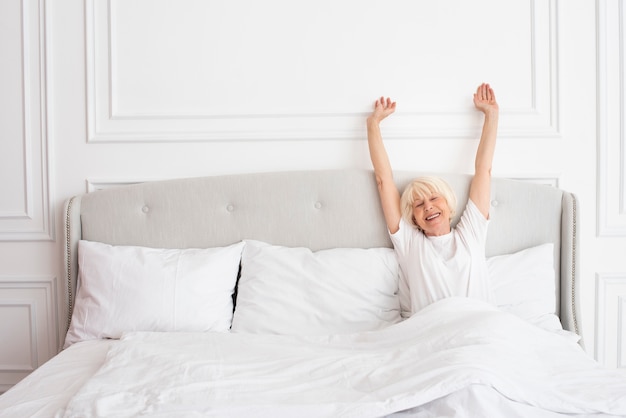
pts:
pixel 401 239
pixel 473 225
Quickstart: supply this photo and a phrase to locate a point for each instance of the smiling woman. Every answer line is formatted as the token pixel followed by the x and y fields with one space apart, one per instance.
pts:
pixel 432 215
pixel 424 200
pixel 438 261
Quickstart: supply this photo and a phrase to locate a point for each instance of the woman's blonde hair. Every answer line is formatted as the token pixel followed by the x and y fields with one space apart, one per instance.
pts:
pixel 421 188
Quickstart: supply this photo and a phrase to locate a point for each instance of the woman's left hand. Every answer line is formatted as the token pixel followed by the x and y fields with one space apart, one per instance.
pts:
pixel 485 99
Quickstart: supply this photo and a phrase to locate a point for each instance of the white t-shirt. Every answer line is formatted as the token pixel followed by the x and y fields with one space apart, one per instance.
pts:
pixel 454 264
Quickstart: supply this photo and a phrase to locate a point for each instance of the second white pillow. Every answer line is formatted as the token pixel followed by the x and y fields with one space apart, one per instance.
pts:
pixel 296 291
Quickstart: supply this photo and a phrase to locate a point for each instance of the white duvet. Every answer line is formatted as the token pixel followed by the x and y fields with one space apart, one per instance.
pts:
pixel 450 350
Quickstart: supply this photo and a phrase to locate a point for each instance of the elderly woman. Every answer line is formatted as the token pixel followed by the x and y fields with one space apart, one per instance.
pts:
pixel 438 261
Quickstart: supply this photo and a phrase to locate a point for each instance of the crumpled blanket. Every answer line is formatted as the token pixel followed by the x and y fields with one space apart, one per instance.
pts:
pixel 449 346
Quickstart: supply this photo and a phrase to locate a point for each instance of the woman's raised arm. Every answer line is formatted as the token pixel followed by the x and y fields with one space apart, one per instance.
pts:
pixel 480 189
pixel 389 194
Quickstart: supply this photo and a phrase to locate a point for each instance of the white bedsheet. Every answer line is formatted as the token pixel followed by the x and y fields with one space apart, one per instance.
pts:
pixel 45 392
pixel 452 349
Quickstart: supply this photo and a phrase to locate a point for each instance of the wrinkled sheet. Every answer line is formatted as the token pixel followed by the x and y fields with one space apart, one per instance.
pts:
pixel 453 346
pixel 46 391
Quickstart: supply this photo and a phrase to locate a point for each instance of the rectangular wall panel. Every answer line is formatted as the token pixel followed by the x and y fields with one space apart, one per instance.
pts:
pixel 211 70
pixel 28 326
pixel 25 210
pixel 611 110
pixel 103 184
pixel 611 319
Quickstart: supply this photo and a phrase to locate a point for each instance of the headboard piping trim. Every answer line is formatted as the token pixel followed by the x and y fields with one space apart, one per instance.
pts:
pixel 68 248
pixel 574 231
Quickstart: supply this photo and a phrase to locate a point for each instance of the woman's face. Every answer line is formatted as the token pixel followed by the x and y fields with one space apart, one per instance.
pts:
pixel 432 215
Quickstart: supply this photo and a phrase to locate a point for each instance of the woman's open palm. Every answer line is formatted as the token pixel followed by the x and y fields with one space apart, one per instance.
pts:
pixel 383 108
pixel 485 98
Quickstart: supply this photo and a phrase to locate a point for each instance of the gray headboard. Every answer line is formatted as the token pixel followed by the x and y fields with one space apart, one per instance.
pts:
pixel 315 209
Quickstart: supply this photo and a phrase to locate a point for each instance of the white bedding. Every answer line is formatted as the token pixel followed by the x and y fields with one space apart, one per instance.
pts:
pixel 455 352
pixel 46 391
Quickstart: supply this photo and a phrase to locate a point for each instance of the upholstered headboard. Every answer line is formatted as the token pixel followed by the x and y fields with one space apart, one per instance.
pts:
pixel 315 209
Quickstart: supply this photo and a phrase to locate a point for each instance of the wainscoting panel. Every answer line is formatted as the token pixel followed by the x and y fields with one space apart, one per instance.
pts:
pixel 611 107
pixel 611 319
pixel 28 329
pixel 212 70
pixel 25 210
pixel 102 184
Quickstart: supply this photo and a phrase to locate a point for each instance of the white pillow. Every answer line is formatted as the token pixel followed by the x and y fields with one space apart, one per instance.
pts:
pixel 524 284
pixel 299 292
pixel 126 288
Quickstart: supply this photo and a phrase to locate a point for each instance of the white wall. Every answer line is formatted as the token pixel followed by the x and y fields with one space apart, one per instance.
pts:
pixel 99 93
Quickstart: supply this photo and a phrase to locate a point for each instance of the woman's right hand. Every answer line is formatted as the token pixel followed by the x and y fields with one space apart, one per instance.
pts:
pixel 382 108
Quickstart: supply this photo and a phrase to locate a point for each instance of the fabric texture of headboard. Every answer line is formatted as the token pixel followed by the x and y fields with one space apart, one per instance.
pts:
pixel 314 209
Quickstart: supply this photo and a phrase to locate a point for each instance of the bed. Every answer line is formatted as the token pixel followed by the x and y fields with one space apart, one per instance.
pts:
pixel 278 294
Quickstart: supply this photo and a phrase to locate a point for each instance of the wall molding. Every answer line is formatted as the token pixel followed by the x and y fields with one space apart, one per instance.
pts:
pixel 552 180
pixel 95 184
pixel 38 296
pixel 610 324
pixel 108 123
pixel 611 108
pixel 30 306
pixel 36 221
pixel 103 184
